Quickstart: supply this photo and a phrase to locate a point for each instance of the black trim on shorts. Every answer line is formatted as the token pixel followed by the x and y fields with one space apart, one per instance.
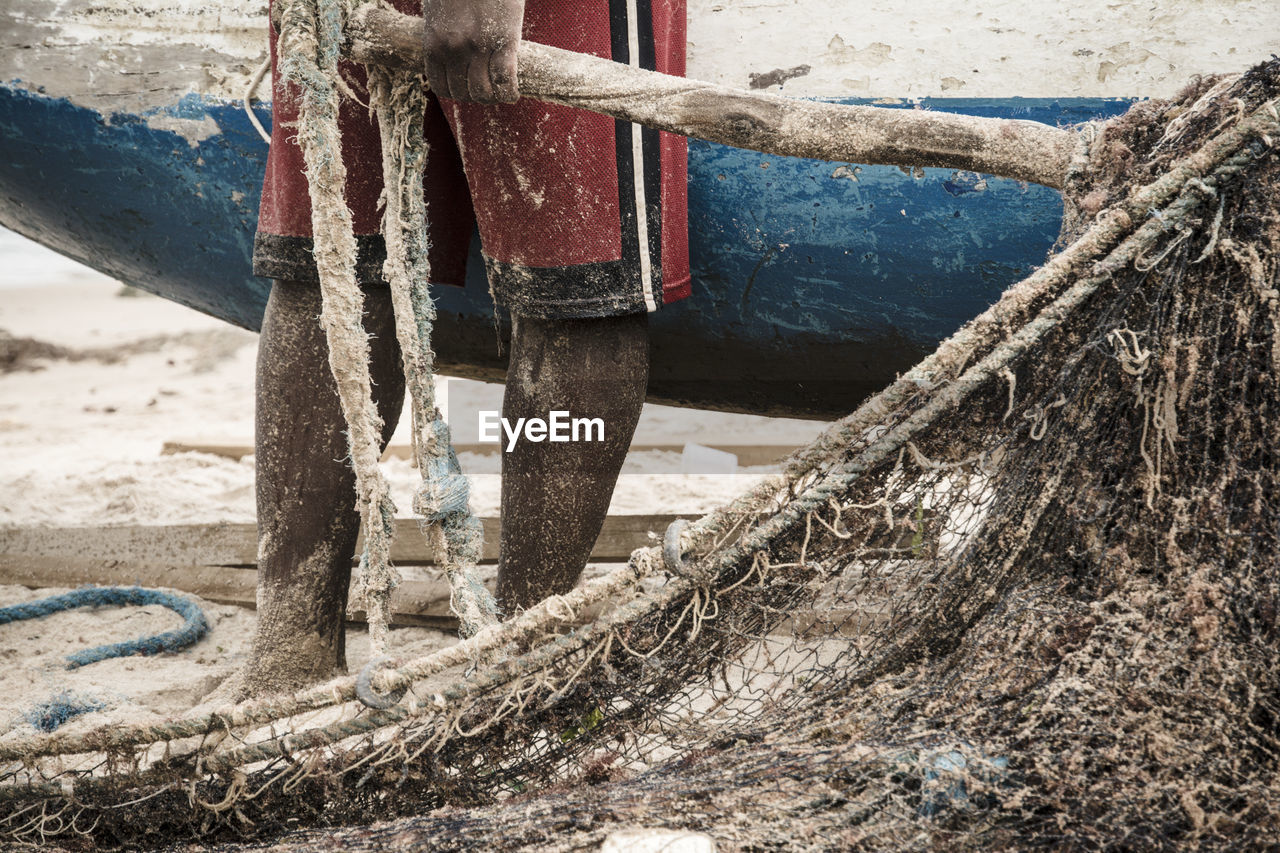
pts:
pixel 293 258
pixel 578 292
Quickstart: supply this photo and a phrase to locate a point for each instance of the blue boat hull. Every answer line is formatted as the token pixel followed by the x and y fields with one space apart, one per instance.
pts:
pixel 814 283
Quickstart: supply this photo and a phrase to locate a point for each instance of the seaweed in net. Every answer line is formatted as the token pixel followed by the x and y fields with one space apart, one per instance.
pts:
pixel 1025 596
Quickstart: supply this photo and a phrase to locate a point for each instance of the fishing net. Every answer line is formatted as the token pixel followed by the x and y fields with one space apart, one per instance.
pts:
pixel 1027 595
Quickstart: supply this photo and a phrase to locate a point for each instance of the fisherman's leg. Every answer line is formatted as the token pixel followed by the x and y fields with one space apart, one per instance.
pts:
pixel 555 495
pixel 307 520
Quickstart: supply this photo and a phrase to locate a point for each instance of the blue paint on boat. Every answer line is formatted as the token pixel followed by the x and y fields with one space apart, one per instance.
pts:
pixel 814 283
pixel 139 203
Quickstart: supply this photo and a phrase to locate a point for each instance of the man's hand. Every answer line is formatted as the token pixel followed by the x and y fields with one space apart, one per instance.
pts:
pixel 471 48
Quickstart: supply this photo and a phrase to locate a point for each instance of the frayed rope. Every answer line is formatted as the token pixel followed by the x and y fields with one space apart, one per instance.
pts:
pixel 310 37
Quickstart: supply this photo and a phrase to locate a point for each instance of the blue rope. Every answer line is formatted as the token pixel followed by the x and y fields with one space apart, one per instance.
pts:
pixel 445 491
pixel 194 625
pixel 56 710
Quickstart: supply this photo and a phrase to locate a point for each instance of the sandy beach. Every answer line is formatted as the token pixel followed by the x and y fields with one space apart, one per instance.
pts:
pixel 95 378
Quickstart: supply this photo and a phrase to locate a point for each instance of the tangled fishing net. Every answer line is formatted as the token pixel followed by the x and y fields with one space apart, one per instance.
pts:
pixel 1028 595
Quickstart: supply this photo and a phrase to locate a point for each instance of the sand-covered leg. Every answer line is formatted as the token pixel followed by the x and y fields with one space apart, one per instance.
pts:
pixel 307 519
pixel 555 494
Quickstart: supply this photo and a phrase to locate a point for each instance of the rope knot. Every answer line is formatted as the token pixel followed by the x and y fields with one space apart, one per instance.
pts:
pixel 442 494
pixel 445 491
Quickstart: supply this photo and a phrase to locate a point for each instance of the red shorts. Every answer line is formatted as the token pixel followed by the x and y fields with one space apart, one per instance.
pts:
pixel 579 215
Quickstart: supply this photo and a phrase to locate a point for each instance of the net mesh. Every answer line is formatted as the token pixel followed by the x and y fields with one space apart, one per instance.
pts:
pixel 1027 595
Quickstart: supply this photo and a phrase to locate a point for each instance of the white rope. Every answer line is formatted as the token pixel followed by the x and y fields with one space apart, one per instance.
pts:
pixel 248 96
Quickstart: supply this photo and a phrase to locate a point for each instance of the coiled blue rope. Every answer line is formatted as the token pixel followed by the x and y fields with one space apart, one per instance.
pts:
pixel 194 627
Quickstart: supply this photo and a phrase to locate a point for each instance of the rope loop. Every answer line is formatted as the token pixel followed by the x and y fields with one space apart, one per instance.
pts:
pixel 369 697
pixel 673 555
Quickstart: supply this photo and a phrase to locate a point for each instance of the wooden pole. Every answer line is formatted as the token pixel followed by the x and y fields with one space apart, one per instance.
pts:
pixel 773 124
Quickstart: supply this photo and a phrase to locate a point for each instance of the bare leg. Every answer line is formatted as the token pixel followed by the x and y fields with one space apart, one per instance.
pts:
pixel 555 495
pixel 307 521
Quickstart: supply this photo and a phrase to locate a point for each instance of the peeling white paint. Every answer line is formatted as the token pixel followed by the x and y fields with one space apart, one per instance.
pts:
pixel 132 54
pixel 980 48
pixel 233 28
pixel 192 130
pixel 139 54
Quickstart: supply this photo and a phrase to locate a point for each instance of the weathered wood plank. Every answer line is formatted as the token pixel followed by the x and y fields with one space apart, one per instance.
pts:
pixel 237 544
pixel 217 562
pixel 226 544
pixel 423 601
pixel 748 454
pixel 225 584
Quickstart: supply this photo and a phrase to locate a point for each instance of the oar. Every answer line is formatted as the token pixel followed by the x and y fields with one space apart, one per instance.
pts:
pixel 773 124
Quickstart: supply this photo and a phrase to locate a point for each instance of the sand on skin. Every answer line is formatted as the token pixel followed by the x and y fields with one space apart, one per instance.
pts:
pixel 80 445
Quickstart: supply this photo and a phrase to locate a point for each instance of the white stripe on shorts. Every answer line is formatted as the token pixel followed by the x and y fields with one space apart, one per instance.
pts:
pixel 637 167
